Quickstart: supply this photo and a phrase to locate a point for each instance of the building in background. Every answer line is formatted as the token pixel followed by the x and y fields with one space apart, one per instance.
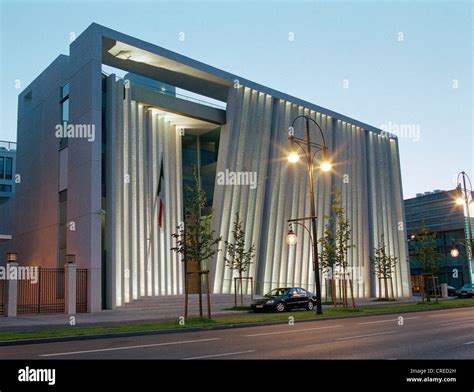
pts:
pixel 7 170
pixel 439 213
pixel 98 192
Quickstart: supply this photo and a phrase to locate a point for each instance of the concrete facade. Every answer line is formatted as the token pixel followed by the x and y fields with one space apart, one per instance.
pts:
pixel 111 181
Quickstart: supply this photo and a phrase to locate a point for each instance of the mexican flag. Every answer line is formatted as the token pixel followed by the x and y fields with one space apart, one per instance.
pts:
pixel 160 194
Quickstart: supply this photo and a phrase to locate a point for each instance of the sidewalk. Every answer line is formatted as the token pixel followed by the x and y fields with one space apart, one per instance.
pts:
pixel 150 310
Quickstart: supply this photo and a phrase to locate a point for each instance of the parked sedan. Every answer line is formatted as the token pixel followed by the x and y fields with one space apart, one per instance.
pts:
pixel 285 298
pixel 466 291
pixel 451 291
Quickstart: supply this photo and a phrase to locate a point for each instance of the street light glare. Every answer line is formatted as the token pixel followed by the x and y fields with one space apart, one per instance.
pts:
pixel 326 166
pixel 459 201
pixel 293 157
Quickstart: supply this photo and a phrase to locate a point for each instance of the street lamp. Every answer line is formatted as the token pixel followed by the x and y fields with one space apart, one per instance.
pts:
pixel 464 198
pixel 291 238
pixel 306 145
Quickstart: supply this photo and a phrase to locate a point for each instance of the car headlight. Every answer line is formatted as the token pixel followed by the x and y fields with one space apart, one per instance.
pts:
pixel 270 302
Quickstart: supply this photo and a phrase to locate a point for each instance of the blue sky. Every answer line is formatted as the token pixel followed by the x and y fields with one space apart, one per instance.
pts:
pixel 391 82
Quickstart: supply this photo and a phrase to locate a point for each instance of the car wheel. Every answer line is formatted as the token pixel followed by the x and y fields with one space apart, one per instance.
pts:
pixel 280 307
pixel 460 296
pixel 310 305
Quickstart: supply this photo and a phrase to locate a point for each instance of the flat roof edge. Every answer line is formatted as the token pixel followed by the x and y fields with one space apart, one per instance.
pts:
pixel 125 38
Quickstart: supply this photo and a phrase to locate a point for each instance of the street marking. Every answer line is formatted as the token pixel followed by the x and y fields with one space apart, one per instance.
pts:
pixel 128 347
pixel 366 336
pixel 294 331
pixel 386 321
pixel 219 355
pixel 447 314
pixel 469 343
pixel 461 321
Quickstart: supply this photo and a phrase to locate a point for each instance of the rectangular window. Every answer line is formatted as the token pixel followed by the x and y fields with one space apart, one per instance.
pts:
pixel 8 168
pixel 2 170
pixel 63 142
pixel 62 240
pixel 65 91
pixel 5 188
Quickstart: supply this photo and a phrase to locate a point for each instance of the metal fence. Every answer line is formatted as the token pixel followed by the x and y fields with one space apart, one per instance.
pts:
pixel 46 295
pixel 81 290
pixel 2 297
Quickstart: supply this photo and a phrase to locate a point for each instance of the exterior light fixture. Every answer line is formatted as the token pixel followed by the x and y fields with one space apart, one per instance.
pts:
pixel 459 198
pixel 291 238
pixel 454 252
pixel 293 157
pixel 12 257
pixel 70 259
pixel 326 166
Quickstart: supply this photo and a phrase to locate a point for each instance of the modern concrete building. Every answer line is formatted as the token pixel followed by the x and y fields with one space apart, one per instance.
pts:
pixel 94 193
pixel 439 213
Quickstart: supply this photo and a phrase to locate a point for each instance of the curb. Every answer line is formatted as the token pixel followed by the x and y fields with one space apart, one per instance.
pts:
pixel 5 343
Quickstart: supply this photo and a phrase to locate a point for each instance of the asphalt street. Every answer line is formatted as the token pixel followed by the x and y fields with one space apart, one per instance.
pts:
pixel 443 334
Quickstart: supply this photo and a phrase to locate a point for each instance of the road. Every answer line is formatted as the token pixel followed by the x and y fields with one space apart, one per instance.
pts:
pixel 443 334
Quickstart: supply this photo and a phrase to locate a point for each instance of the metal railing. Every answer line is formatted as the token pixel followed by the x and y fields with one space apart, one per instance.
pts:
pixel 163 91
pixel 81 290
pixel 46 295
pixel 6 145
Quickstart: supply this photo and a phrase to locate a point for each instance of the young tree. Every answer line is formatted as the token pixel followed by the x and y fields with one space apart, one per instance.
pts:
pixel 195 240
pixel 238 256
pixel 327 256
pixel 336 243
pixel 384 265
pixel 423 251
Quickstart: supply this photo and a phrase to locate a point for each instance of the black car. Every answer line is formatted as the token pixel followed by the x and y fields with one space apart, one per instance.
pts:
pixel 285 298
pixel 466 291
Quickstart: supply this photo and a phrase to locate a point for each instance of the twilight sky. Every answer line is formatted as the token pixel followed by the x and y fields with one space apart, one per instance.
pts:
pixel 391 64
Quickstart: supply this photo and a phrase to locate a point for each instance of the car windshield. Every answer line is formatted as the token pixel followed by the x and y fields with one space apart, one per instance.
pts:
pixel 276 293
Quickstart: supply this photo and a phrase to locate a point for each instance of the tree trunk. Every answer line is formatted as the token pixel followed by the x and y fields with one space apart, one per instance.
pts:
pixel 391 286
pixel 241 289
pixel 385 286
pixel 380 287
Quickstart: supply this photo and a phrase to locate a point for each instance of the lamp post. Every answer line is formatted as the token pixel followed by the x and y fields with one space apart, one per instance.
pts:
pixel 464 198
pixel 306 145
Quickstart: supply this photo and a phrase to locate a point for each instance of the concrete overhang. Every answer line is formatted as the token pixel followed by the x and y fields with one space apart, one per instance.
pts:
pixel 176 105
pixel 155 62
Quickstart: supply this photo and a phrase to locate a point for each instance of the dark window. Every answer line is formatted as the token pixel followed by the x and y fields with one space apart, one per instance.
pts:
pixel 2 170
pixel 8 168
pixel 200 149
pixel 5 188
pixel 65 91
pixel 62 240
pixel 64 112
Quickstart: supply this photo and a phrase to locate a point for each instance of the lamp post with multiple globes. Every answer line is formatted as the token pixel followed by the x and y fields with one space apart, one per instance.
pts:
pixel 309 149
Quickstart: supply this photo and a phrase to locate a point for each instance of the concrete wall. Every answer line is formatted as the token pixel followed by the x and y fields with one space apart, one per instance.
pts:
pixel 33 212
pixel 366 173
